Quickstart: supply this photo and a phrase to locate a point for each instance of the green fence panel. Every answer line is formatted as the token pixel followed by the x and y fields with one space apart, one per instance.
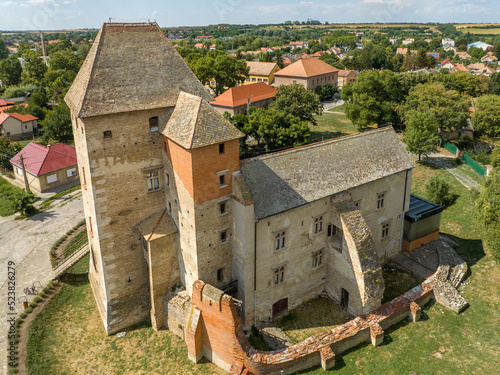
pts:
pixel 474 164
pixel 450 147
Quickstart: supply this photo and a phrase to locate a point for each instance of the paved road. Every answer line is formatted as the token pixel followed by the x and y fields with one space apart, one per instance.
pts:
pixel 27 243
pixel 327 106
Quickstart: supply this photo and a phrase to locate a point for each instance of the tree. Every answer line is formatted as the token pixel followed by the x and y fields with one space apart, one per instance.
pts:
pixel 327 90
pixel 488 212
pixel 22 201
pixel 439 191
pixel 10 71
pixel 218 70
pixel 447 109
pixel 34 67
pixel 4 51
pixel 486 116
pixel 495 156
pixel 277 129
pixel 421 134
pixel 371 99
pixel 57 124
pixel 493 84
pixel 295 100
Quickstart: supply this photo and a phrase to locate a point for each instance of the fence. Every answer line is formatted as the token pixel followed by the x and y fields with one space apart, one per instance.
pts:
pixel 478 168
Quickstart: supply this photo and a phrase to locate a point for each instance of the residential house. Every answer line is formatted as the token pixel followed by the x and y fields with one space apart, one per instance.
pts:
pixel 16 126
pixel 433 54
pixel 261 72
pixel 237 100
pixel 298 44
pixel 287 61
pixel 310 73
pixel 463 55
pixel 304 56
pixel 393 40
pixel 401 51
pixel 480 69
pixel 6 104
pixel 212 47
pixel 489 58
pixel 450 48
pixel 461 68
pixel 168 202
pixel 447 41
pixel 318 54
pixel 346 77
pixel 47 167
pixel 334 50
pixel 447 64
pixel 199 45
pixel 408 41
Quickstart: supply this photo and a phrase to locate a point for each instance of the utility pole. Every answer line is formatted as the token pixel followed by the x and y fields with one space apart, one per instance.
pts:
pixel 26 185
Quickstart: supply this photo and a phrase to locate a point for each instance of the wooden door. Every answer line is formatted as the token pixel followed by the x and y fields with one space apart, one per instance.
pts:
pixel 344 299
pixel 280 308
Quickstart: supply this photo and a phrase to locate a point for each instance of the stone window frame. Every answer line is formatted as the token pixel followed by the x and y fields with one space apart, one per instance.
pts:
pixel 280 241
pixel 386 227
pixel 318 258
pixel 227 234
pixel 317 224
pixel 381 196
pixel 279 274
pixel 152 174
pixel 107 134
pixel 222 178
pixel 224 202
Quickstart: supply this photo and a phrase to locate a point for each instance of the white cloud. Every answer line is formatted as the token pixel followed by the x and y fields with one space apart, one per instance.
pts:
pixel 7 3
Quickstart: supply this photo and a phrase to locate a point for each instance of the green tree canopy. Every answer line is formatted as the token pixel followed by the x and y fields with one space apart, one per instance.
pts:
pixel 57 124
pixel 218 70
pixel 371 99
pixel 277 129
pixel 10 71
pixel 488 212
pixel 486 116
pixel 493 84
pixel 447 109
pixel 421 134
pixel 4 51
pixel 34 67
pixel 295 100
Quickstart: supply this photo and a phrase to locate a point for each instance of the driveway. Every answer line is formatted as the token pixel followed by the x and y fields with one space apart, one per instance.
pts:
pixel 27 243
pixel 327 106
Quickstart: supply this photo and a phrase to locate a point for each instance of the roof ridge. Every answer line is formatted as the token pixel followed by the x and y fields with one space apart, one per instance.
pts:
pixel 317 144
pixel 99 39
pixel 195 120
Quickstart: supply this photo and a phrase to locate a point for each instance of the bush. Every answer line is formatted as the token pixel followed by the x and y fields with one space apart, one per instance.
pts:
pixel 37 299
pixel 29 310
pixel 493 240
pixel 22 316
pixel 33 305
pixel 438 191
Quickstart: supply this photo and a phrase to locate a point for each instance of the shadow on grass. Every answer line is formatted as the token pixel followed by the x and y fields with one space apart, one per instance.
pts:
pixel 470 250
pixel 326 135
pixel 75 279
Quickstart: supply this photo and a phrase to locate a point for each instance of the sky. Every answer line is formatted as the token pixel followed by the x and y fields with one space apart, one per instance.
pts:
pixel 77 14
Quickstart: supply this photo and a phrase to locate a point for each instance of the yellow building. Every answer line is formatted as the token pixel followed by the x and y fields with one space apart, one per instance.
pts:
pixel 261 72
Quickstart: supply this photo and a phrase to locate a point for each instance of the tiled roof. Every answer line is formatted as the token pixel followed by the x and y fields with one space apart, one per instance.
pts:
pixel 401 51
pixel 345 73
pixel 258 68
pixel 130 67
pixel 40 159
pixel 194 123
pixel 289 179
pixel 3 103
pixel 306 68
pixel 237 96
pixel 23 118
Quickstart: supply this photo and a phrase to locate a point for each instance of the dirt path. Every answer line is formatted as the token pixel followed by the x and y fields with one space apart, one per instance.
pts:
pixel 447 162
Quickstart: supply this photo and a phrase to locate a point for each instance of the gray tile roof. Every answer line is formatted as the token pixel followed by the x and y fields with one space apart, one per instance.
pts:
pixel 288 179
pixel 194 123
pixel 130 67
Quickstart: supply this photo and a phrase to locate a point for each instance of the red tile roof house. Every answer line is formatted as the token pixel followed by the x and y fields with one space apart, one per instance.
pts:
pixel 236 99
pixel 310 73
pixel 17 126
pixel 47 167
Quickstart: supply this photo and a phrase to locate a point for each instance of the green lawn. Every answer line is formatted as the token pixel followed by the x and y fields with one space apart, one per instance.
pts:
pixel 68 337
pixel 332 125
pixel 6 190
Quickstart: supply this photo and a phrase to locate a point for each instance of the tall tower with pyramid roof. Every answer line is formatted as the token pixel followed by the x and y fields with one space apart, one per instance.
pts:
pixel 155 163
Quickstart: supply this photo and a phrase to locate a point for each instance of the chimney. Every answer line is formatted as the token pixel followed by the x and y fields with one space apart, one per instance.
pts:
pixel 44 49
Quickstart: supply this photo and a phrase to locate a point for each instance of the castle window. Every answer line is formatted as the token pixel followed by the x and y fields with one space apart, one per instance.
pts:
pixel 107 134
pixel 332 230
pixel 318 224
pixel 167 179
pixel 223 236
pixel 223 208
pixel 385 230
pixel 380 200
pixel 220 274
pixel 153 124
pixel 221 148
pixel 317 258
pixel 169 208
pixel 279 275
pixel 221 180
pixel 153 181
pixel 280 240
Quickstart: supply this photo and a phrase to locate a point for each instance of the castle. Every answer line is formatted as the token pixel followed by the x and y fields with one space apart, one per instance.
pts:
pixel 168 202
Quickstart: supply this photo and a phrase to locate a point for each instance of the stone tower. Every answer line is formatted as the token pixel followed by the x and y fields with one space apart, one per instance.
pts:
pixel 122 109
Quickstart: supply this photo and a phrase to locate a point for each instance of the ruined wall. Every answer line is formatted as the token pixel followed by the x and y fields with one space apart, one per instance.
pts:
pixel 118 168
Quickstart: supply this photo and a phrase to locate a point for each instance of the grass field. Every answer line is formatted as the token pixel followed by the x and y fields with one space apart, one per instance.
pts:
pixel 68 337
pixel 332 125
pixel 6 190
